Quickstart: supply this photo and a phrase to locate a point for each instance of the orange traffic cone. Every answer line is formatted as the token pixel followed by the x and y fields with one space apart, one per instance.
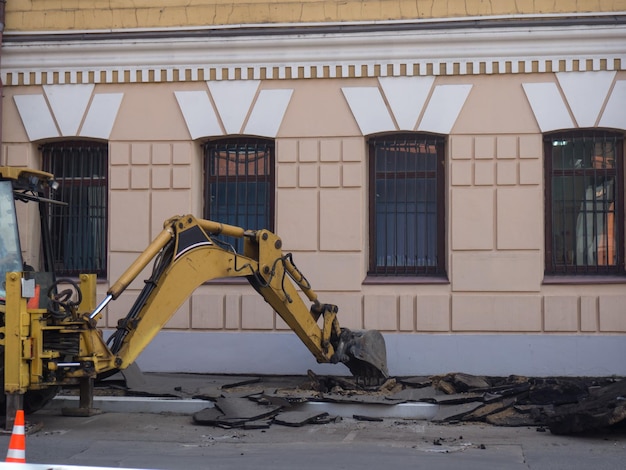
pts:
pixel 17 444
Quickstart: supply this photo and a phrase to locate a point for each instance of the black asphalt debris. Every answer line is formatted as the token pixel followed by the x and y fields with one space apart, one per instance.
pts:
pixel 564 405
pixel 300 418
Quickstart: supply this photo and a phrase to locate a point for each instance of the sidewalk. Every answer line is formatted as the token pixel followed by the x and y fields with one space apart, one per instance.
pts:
pixel 173 441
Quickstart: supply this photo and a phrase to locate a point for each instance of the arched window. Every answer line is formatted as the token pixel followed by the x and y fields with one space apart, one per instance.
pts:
pixel 407 203
pixel 239 183
pixel 584 202
pixel 79 230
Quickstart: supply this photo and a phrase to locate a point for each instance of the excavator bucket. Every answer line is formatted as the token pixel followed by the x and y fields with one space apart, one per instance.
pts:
pixel 365 354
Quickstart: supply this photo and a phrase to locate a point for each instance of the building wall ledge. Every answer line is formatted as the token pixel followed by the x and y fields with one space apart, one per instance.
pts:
pixel 364 50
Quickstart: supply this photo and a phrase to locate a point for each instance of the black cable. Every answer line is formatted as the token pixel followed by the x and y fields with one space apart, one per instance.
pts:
pixel 161 262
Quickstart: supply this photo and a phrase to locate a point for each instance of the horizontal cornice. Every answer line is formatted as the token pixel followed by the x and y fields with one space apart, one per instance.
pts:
pixel 468 47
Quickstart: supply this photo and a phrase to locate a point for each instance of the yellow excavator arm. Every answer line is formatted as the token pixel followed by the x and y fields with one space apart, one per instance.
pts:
pixel 188 253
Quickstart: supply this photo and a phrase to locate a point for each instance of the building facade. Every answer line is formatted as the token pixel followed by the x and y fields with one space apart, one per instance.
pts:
pixel 450 173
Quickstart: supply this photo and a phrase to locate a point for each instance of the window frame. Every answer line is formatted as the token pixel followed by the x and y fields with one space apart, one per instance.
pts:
pixel 82 182
pixel 438 270
pixel 551 268
pixel 269 178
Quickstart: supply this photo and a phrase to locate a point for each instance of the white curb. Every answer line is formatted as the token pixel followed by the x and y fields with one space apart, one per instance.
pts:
pixel 136 404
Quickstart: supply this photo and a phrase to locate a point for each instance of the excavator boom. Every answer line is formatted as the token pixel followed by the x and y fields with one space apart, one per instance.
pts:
pixel 188 254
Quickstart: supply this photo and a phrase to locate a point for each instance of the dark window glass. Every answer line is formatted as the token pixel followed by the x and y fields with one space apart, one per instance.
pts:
pixel 79 230
pixel 239 184
pixel 584 203
pixel 407 205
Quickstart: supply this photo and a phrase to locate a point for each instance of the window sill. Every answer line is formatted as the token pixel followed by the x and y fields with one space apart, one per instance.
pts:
pixel 374 280
pixel 581 279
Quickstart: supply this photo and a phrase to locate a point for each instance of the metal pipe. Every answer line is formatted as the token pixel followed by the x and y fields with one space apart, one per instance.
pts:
pixel 101 306
pixel 217 228
pixel 140 263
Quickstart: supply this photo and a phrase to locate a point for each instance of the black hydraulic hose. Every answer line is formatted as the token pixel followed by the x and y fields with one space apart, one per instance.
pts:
pixel 163 260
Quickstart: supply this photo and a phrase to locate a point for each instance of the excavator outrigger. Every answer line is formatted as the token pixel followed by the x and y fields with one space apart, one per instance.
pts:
pixel 49 335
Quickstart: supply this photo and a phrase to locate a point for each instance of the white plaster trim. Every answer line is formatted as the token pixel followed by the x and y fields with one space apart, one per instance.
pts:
pixel 101 115
pixel 372 115
pixel 614 115
pixel 36 116
pixel 268 112
pixel 586 93
pixel 444 107
pixel 425 52
pixel 369 109
pixel 233 100
pixel 548 106
pixel 406 97
pixel 68 104
pixel 65 105
pixel 198 113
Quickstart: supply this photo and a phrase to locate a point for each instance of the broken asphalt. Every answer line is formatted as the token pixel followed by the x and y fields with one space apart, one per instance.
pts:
pixel 565 405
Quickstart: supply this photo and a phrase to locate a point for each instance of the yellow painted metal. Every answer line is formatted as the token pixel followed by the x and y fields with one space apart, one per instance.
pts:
pixel 140 263
pixel 175 223
pixel 93 351
pixel 15 173
pixel 37 355
pixel 92 346
pixel 196 259
pixel 204 261
pixel 331 327
pixel 18 341
pixel 178 282
pixel 88 285
pixel 300 280
pixel 218 228
pixel 281 294
pixel 26 360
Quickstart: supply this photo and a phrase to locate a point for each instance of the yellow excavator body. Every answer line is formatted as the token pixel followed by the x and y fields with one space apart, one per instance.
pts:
pixel 49 335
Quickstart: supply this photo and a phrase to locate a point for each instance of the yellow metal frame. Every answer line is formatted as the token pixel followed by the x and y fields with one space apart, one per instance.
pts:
pixel 17 339
pixel 262 258
pixel 25 357
pixel 263 263
pixel 15 173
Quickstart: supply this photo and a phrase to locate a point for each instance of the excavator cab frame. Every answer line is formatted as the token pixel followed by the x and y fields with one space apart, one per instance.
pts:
pixel 10 250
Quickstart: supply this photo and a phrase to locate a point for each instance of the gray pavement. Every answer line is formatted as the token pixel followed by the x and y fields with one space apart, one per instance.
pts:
pixel 173 441
pixel 158 438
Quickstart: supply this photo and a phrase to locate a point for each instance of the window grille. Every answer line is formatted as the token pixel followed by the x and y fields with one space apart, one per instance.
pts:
pixel 584 198
pixel 239 184
pixel 79 230
pixel 407 205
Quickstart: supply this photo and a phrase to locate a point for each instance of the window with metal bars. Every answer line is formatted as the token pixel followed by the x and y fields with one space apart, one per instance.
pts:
pixel 79 230
pixel 407 197
pixel 584 203
pixel 239 184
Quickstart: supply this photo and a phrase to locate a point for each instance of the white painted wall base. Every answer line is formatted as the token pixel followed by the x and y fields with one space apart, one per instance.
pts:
pixel 407 354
